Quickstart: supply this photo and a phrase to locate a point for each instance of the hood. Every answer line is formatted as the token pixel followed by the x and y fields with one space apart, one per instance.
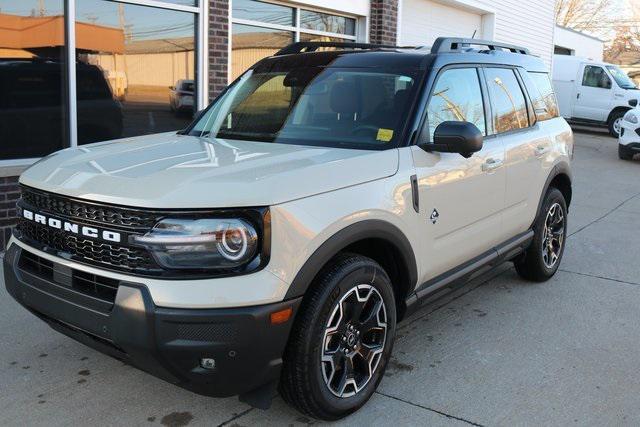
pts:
pixel 178 171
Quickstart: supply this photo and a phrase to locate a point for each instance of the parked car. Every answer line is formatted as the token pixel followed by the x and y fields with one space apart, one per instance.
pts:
pixel 593 93
pixel 629 141
pixel 324 196
pixel 32 93
pixel 181 98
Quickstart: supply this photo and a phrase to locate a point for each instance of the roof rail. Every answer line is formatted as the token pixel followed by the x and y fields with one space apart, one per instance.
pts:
pixel 452 44
pixel 300 47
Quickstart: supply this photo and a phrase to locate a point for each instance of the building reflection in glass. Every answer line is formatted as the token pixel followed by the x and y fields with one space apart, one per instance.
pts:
pixel 147 57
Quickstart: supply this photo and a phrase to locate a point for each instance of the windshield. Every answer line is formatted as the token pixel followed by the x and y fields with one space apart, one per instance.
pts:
pixel 621 77
pixel 362 108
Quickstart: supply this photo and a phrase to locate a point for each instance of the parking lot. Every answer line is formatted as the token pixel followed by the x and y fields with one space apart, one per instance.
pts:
pixel 502 352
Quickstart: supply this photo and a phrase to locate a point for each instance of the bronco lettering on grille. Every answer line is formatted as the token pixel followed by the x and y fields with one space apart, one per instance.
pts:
pixel 110 236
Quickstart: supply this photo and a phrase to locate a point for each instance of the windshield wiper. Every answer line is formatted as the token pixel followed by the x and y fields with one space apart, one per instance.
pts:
pixel 252 136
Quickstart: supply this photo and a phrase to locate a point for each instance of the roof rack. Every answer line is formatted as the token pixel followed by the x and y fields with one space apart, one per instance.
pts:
pixel 452 45
pixel 300 47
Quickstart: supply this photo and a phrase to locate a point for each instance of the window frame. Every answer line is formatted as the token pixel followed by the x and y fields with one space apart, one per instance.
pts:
pixel 606 73
pixel 201 36
pixel 296 29
pixel 424 136
pixel 531 118
pixel 522 73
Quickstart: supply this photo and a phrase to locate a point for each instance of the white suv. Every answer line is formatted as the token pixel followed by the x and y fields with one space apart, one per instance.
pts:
pixel 629 140
pixel 276 242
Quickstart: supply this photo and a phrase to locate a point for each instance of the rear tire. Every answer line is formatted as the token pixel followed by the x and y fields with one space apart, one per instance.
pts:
pixel 623 153
pixel 330 343
pixel 541 260
pixel 615 123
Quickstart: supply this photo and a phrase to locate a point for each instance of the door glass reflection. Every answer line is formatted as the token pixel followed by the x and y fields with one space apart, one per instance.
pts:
pixel 135 71
pixel 32 78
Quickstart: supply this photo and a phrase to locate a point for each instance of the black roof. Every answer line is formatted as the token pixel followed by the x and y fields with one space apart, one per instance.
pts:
pixel 445 51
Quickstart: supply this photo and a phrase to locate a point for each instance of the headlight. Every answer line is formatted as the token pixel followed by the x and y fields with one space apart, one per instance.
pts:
pixel 631 117
pixel 222 243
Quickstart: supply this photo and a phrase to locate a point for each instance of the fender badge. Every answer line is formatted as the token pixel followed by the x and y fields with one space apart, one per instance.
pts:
pixel 434 216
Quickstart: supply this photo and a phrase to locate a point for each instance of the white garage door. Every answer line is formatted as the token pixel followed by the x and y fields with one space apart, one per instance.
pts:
pixel 423 21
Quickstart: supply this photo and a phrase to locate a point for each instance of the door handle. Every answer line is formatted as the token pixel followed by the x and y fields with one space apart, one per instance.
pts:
pixel 491 164
pixel 578 97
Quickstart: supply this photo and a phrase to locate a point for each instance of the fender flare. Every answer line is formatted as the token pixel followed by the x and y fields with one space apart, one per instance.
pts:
pixel 367 229
pixel 561 168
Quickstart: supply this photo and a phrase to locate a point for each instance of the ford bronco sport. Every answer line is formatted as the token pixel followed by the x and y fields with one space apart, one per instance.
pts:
pixel 276 242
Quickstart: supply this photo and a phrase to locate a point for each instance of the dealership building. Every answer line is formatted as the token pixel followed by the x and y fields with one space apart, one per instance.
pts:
pixel 73 72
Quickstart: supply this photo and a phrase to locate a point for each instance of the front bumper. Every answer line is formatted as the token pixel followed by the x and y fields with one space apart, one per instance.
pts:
pixel 631 148
pixel 630 134
pixel 166 342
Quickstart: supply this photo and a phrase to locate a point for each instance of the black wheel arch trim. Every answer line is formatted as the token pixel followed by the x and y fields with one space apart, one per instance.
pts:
pixel 367 229
pixel 561 168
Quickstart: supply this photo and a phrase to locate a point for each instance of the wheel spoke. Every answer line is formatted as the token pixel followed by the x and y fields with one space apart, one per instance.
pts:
pixel 355 311
pixel 372 319
pixel 346 376
pixel 369 353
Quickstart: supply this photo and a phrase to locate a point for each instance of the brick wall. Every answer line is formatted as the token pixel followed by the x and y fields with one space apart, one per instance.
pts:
pixel 384 22
pixel 218 46
pixel 9 193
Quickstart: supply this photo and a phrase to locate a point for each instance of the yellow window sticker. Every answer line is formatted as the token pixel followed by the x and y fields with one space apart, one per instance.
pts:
pixel 384 135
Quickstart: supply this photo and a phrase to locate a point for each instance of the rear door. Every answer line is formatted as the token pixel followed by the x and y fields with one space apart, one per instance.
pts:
pixel 526 144
pixel 594 94
pixel 461 199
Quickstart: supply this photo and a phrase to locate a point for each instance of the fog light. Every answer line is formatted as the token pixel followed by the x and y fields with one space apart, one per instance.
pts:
pixel 208 363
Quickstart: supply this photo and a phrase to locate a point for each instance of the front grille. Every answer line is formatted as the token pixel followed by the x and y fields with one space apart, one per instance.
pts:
pixel 102 288
pixel 101 253
pixel 90 212
pixel 86 250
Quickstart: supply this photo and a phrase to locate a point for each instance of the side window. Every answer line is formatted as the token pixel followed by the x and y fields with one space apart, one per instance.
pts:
pixel 457 97
pixel 507 99
pixel 595 77
pixel 541 92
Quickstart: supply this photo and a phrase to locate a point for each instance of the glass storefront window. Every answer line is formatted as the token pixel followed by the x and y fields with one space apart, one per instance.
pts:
pixel 32 78
pixel 260 29
pixel 318 21
pixel 135 71
pixel 267 13
pixel 250 44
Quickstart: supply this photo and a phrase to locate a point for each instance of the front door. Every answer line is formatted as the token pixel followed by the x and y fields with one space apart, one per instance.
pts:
pixel 593 94
pixel 461 199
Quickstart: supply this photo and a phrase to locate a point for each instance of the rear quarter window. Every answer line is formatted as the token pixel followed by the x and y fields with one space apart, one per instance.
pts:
pixel 542 96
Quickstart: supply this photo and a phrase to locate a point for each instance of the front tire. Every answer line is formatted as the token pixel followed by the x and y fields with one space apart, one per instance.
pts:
pixel 342 339
pixel 541 260
pixel 624 154
pixel 615 123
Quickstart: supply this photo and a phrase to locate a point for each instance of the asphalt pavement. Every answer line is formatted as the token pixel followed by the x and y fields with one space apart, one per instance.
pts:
pixel 503 352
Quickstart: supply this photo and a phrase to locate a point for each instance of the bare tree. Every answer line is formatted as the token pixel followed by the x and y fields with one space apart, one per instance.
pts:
pixel 624 44
pixel 583 15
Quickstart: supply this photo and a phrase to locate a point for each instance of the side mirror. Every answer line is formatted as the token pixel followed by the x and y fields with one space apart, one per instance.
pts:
pixel 463 138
